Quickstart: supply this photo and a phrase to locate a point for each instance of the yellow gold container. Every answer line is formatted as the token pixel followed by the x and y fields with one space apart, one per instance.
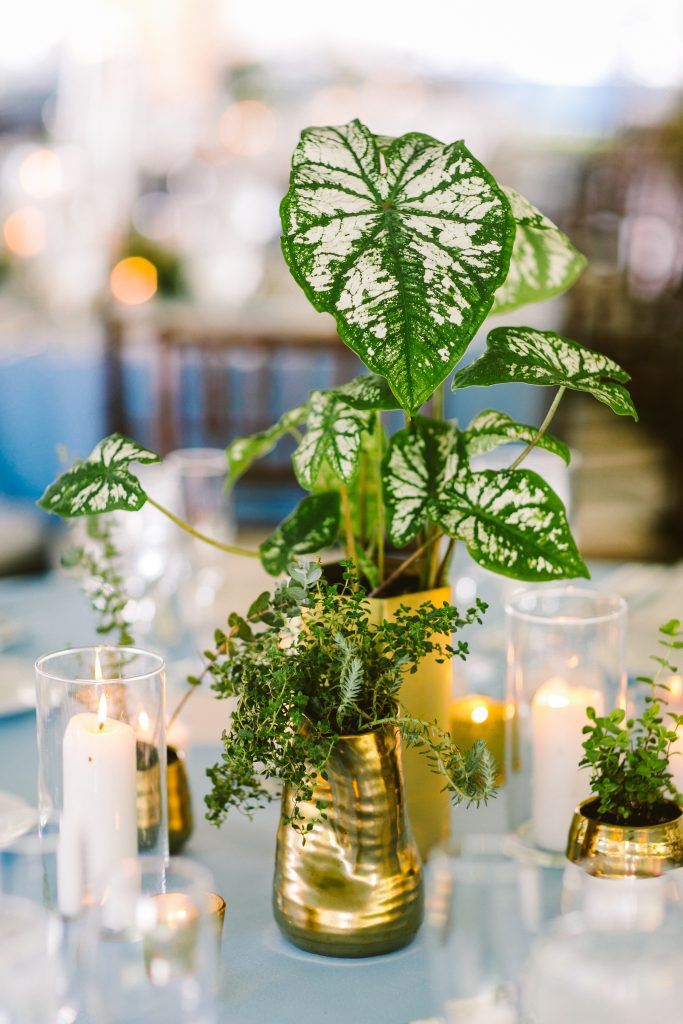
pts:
pixel 425 694
pixel 180 819
pixel 623 851
pixel 354 888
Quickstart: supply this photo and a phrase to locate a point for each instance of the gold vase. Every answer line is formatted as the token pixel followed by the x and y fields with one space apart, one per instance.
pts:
pixel 425 694
pixel 180 820
pixel 624 851
pixel 354 888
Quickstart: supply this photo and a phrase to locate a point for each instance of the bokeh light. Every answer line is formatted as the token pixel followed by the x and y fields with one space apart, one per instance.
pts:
pixel 133 280
pixel 41 174
pixel 24 232
pixel 247 128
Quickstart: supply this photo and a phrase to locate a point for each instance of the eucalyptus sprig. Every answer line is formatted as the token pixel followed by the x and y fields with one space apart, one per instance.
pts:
pixel 629 758
pixel 308 665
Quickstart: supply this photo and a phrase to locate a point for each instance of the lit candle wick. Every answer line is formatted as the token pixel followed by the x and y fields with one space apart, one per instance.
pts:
pixel 102 712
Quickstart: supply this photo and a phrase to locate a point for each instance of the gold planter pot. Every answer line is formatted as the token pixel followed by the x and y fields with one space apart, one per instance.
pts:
pixel 622 851
pixel 354 888
pixel 425 694
pixel 180 820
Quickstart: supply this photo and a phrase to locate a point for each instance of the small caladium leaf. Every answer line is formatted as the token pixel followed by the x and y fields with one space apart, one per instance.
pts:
pixel 334 433
pixel 312 526
pixel 544 262
pixel 512 523
pixel 543 357
pixel 491 428
pixel 243 451
pixel 419 462
pixel 405 246
pixel 103 483
pixel 368 392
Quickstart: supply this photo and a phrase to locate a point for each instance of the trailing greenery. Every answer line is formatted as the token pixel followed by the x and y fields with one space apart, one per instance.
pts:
pixel 97 564
pixel 309 665
pixel 408 244
pixel 629 758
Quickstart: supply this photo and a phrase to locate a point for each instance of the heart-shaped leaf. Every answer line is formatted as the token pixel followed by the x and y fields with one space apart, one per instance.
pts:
pixel 542 357
pixel 333 433
pixel 544 262
pixel 405 246
pixel 369 392
pixel 102 483
pixel 243 451
pixel 419 462
pixel 491 428
pixel 512 523
pixel 312 526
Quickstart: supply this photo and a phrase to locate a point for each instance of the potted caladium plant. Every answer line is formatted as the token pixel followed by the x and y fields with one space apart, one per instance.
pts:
pixel 409 244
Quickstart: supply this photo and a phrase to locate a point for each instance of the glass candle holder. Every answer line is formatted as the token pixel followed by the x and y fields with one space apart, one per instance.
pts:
pixel 101 764
pixel 565 652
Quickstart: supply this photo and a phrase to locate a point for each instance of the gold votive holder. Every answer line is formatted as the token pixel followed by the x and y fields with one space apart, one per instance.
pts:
pixel 180 818
pixel 478 717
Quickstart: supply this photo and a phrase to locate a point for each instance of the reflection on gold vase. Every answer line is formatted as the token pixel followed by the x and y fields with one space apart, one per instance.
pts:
pixel 354 888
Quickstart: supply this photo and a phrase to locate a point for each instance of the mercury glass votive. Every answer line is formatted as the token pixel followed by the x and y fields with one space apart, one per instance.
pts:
pixel 101 763
pixel 565 653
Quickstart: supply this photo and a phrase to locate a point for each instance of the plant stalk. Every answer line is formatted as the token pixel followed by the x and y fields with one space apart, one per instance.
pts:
pixel 379 497
pixel 442 574
pixel 232 549
pixel 402 567
pixel 348 525
pixel 542 429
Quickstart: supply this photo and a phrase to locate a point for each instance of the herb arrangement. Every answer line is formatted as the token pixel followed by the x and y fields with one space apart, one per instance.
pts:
pixel 309 666
pixel 409 244
pixel 629 758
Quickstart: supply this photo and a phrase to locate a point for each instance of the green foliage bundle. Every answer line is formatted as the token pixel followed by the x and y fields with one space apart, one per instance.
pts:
pixel 629 758
pixel 308 666
pixel 408 244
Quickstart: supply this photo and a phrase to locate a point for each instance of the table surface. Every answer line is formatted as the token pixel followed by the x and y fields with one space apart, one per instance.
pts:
pixel 263 978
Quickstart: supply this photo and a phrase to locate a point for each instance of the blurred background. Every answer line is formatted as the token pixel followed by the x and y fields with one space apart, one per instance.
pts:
pixel 144 149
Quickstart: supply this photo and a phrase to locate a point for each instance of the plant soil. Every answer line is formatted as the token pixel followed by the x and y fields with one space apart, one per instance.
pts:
pixel 645 817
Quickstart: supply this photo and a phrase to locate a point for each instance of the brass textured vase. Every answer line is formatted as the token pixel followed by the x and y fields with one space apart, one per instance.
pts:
pixel 354 888
pixel 426 694
pixel 622 851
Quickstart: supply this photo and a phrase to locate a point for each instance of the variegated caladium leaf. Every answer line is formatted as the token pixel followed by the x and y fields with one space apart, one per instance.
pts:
pixel 244 451
pixel 103 483
pixel 419 462
pixel 369 392
pixel 312 526
pixel 542 357
pixel 544 262
pixel 333 433
pixel 512 523
pixel 491 428
pixel 405 246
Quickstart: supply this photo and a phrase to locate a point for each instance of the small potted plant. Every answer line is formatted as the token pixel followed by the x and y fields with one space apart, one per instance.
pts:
pixel 632 825
pixel 317 685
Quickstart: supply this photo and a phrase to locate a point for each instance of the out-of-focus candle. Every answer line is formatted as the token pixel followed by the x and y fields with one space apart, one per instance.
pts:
pixel 477 717
pixel 558 715
pixel 170 926
pixel 99 828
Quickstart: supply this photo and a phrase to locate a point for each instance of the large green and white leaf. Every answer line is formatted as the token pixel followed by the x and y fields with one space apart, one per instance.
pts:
pixel 419 461
pixel 529 356
pixel 544 262
pixel 103 483
pixel 312 526
pixel 244 451
pixel 334 433
pixel 405 247
pixel 491 428
pixel 369 391
pixel 512 523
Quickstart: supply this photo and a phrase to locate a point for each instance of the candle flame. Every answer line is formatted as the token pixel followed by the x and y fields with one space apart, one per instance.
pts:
pixel 102 711
pixel 480 714
pixel 143 719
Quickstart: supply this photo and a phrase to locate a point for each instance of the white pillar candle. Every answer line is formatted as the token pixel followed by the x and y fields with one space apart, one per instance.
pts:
pixel 99 823
pixel 558 715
